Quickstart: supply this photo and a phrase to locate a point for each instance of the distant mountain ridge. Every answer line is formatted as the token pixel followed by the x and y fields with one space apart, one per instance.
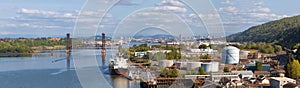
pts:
pixel 285 32
pixel 155 36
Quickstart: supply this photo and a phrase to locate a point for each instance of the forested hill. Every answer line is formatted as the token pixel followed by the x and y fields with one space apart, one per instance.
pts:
pixel 285 32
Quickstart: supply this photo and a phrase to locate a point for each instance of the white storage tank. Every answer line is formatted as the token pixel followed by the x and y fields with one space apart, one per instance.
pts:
pixel 193 66
pixel 230 55
pixel 210 66
pixel 215 66
pixel 165 63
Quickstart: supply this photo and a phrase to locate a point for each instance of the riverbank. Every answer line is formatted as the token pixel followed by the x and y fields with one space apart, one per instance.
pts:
pixel 29 54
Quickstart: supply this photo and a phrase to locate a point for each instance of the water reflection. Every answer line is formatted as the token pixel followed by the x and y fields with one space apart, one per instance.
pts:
pixel 120 82
pixel 103 54
pixel 56 70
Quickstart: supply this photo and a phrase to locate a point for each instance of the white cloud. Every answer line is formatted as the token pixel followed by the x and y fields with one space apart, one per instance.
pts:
pixel 227 2
pixel 127 3
pixel 260 9
pixel 28 11
pixel 258 3
pixel 35 19
pixel 172 8
pixel 8 25
pixel 6 33
pixel 229 9
pixel 171 3
pixel 244 15
pixel 28 25
pixel 265 9
pixel 45 14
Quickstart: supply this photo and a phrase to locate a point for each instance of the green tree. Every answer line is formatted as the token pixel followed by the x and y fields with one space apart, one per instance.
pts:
pixel 201 71
pixel 226 69
pixel 278 48
pixel 173 73
pixel 293 69
pixel 173 55
pixel 202 46
pixel 240 69
pixel 157 56
pixel 296 46
pixel 206 56
pixel 169 73
pixel 164 72
pixel 258 66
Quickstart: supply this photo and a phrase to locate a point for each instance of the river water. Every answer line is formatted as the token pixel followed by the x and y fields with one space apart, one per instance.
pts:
pixel 55 70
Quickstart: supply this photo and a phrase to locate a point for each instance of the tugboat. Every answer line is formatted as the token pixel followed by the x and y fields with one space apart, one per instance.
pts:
pixel 118 66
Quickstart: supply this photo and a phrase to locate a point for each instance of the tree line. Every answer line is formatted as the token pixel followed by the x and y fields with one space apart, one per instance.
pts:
pixel 262 47
pixel 25 45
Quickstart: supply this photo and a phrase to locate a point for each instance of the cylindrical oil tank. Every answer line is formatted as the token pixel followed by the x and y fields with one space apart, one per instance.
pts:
pixel 206 66
pixel 210 66
pixel 215 66
pixel 230 55
pixel 165 63
pixel 193 66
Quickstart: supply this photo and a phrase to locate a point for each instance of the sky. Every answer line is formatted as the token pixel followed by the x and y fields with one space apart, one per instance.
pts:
pixel 55 18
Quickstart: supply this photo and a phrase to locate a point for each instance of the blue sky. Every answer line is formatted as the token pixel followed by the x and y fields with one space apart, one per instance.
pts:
pixel 54 18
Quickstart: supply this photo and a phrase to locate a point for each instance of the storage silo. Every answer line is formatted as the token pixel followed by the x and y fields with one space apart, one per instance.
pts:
pixel 193 66
pixel 210 66
pixel 230 55
pixel 165 63
pixel 215 66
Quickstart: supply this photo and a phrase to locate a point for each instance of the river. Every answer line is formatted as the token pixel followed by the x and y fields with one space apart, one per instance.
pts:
pixel 46 70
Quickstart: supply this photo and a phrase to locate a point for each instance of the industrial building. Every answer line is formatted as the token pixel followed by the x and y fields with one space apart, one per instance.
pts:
pixel 244 54
pixel 216 77
pixel 279 82
pixel 243 74
pixel 193 66
pixel 252 67
pixel 181 65
pixel 230 55
pixel 140 54
pixel 165 63
pixel 159 51
pixel 210 66
pixel 198 52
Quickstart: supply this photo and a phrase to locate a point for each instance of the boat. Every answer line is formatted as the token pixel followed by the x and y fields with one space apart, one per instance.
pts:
pixel 118 66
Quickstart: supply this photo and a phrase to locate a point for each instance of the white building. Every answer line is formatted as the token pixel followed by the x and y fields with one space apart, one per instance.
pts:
pixel 165 63
pixel 159 51
pixel 244 74
pixel 193 66
pixel 216 77
pixel 278 82
pixel 244 54
pixel 198 52
pixel 140 54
